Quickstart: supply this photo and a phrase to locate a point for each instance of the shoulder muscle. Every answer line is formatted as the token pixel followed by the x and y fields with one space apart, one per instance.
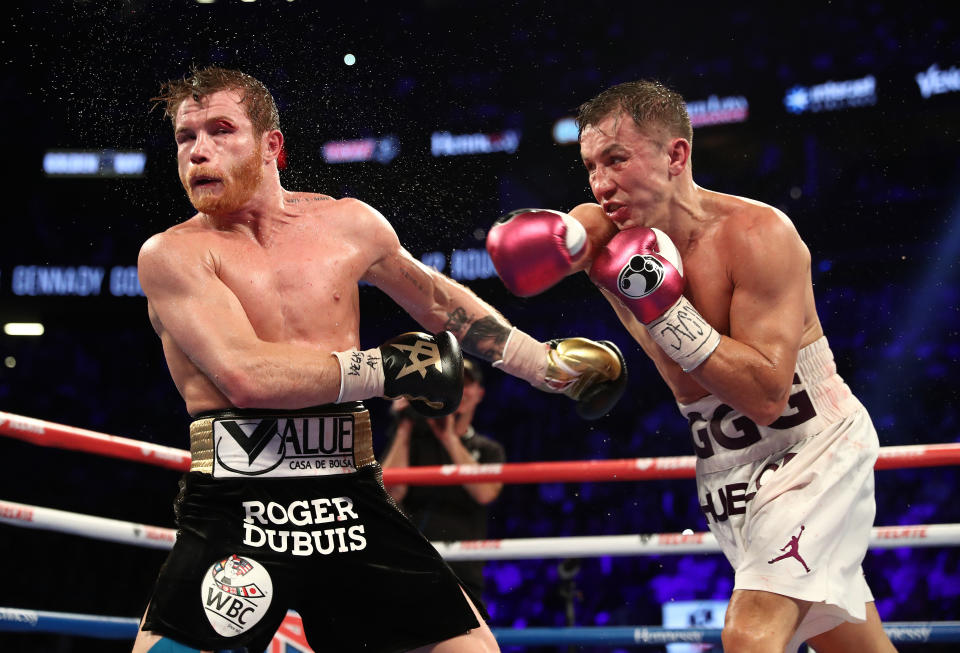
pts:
pixel 764 245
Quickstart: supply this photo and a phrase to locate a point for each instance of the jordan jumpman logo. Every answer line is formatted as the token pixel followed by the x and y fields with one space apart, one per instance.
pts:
pixel 794 552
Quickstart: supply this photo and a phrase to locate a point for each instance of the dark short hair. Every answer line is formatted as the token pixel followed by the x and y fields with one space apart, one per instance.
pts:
pixel 257 100
pixel 647 101
pixel 472 371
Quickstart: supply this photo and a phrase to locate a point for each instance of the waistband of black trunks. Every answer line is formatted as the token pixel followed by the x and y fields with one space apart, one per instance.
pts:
pixel 201 429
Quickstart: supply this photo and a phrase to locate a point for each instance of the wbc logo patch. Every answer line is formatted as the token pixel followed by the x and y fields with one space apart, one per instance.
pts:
pixel 236 593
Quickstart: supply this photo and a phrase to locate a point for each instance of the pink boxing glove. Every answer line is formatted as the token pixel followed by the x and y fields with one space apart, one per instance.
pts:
pixel 533 249
pixel 641 267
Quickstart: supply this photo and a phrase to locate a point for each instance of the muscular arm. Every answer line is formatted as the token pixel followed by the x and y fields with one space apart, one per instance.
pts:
pixel 752 368
pixel 599 231
pixel 436 301
pixel 198 317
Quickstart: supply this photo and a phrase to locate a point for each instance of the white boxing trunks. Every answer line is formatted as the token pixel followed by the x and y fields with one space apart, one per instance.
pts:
pixel 791 504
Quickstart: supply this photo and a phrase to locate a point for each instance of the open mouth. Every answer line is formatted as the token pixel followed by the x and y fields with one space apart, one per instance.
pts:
pixel 203 182
pixel 615 210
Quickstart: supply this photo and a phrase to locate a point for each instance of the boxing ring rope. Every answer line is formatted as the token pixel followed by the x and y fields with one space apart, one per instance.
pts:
pixel 125 532
pixel 50 434
pixel 63 623
pixel 45 433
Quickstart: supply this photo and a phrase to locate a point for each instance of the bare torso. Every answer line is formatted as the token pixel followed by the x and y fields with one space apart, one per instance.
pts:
pixel 296 283
pixel 710 271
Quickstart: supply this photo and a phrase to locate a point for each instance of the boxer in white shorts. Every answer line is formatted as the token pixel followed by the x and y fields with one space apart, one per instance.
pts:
pixel 717 290
pixel 795 521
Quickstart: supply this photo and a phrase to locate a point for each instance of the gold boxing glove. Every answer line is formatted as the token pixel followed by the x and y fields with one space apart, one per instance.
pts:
pixel 591 373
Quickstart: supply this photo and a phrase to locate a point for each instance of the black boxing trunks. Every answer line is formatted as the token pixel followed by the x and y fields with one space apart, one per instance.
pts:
pixel 286 510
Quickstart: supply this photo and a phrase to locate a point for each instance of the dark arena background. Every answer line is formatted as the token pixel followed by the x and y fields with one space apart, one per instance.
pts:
pixel 845 115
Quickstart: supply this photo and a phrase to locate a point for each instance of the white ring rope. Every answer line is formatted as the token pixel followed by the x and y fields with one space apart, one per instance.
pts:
pixel 114 530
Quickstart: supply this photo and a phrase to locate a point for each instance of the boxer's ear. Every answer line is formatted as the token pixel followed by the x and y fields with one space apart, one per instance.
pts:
pixel 271 144
pixel 678 149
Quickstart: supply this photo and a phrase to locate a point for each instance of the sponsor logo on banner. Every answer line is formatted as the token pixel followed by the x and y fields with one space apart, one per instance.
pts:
pixel 236 593
pixel 935 81
pixel 465 264
pixel 283 446
pixel 56 281
pixel 447 144
pixel 718 110
pixel 154 533
pixel 24 424
pixel 471 470
pixel 27 425
pixel 124 281
pixel 481 544
pixel 900 532
pixel 173 455
pixel 909 633
pixel 16 616
pixel 673 539
pixel 104 163
pixel 485 468
pixel 660 636
pixel 16 512
pixel 674 462
pixel 470 264
pixel 831 96
pixel 383 150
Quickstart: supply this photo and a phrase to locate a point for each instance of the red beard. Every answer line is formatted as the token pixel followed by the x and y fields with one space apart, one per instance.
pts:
pixel 239 185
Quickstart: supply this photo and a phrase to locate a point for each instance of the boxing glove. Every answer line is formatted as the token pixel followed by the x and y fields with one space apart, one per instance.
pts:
pixel 594 374
pixel 533 249
pixel 641 267
pixel 599 379
pixel 426 369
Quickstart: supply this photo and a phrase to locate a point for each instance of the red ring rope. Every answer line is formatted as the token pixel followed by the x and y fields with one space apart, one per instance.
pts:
pixel 50 434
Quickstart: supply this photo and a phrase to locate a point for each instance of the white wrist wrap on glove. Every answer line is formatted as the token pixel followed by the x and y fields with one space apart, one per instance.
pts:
pixel 684 335
pixel 361 374
pixel 524 358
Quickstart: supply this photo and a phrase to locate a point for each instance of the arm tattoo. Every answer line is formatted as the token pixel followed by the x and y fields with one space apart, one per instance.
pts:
pixel 486 338
pixel 457 320
pixel 416 282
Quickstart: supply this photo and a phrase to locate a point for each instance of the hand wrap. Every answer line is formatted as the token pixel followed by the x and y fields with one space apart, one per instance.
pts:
pixel 426 369
pixel 594 374
pixel 641 267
